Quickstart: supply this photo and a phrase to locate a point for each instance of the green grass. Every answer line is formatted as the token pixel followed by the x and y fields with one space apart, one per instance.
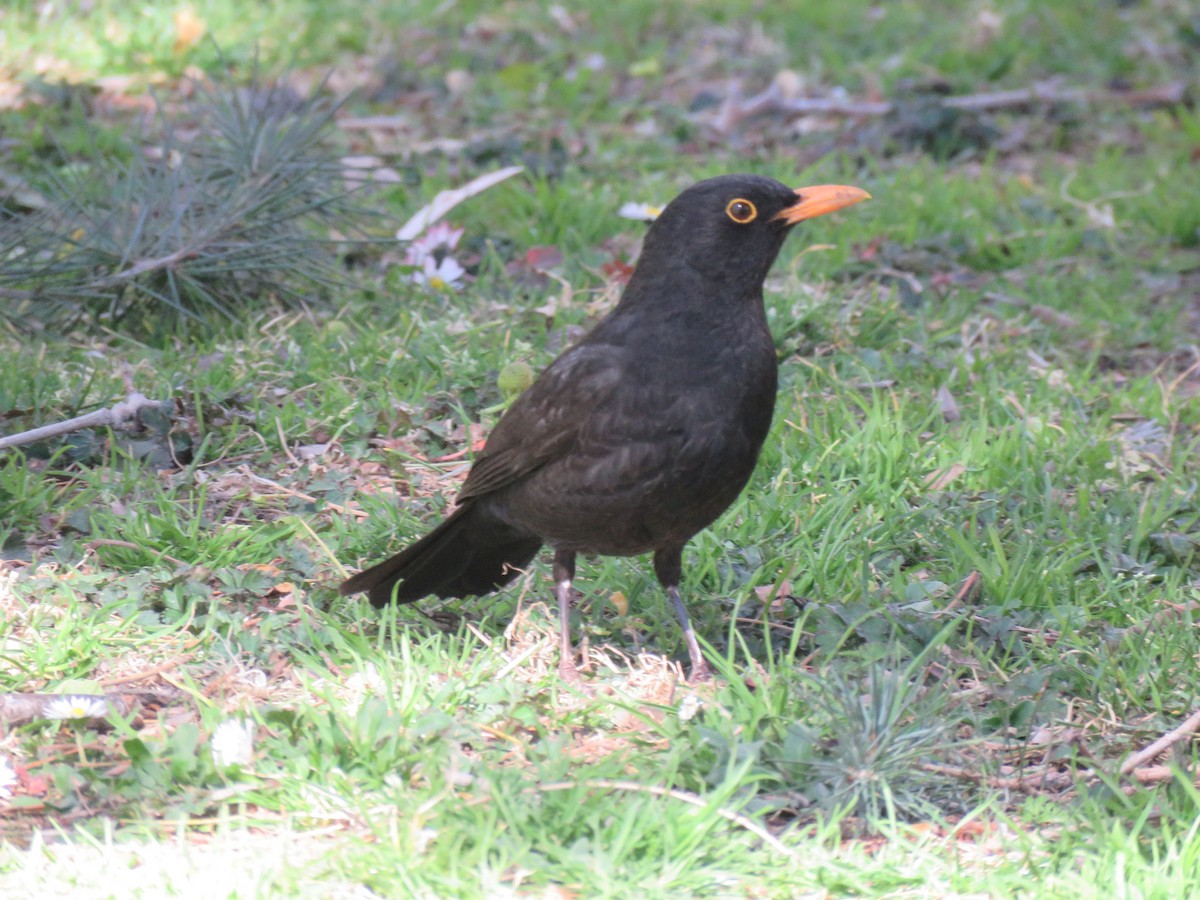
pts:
pixel 868 709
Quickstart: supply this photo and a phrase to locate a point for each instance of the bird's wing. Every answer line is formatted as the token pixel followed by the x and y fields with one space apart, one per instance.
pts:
pixel 545 422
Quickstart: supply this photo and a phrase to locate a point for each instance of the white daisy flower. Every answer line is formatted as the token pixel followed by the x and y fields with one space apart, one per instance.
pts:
pixel 430 255
pixel 643 212
pixel 441 275
pixel 76 707
pixel 364 684
pixel 233 743
pixel 8 778
pixel 439 235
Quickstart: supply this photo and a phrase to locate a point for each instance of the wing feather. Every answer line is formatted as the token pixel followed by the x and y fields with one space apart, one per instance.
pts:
pixel 545 422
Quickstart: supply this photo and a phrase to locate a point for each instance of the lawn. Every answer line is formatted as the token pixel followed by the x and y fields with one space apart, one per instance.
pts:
pixel 953 617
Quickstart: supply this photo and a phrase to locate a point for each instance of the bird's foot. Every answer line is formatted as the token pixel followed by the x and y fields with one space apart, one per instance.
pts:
pixel 443 619
pixel 700 673
pixel 568 673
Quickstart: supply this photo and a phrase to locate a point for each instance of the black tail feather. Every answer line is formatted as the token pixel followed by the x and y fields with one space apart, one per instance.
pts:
pixel 471 552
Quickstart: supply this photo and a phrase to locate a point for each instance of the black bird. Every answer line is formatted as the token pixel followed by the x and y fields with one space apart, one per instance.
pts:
pixel 641 434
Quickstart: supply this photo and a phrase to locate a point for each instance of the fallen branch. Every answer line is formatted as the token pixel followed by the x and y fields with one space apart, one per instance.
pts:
pixel 1038 782
pixel 1025 784
pixel 1153 774
pixel 1175 735
pixel 120 414
pixel 149 673
pixel 237 203
pixel 21 709
pixel 776 100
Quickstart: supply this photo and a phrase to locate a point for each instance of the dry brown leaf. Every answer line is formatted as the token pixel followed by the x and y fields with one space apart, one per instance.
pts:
pixel 947 405
pixel 940 479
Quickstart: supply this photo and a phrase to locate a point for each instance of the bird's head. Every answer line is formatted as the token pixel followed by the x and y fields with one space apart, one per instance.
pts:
pixel 731 228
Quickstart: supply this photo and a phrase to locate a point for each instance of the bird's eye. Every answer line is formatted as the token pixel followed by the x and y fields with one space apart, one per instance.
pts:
pixel 741 211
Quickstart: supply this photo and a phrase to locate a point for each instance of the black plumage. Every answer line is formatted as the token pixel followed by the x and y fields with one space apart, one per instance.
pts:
pixel 645 431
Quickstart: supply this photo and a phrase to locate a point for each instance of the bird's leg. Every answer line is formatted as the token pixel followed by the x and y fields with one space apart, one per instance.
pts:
pixel 700 670
pixel 564 573
pixel 668 566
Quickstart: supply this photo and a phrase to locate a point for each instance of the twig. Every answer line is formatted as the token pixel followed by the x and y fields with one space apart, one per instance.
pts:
pixel 968 592
pixel 120 414
pixel 1026 784
pixel 113 542
pixel 283 442
pixel 746 620
pixel 605 784
pixel 1169 94
pixel 299 495
pixel 147 673
pixel 773 99
pixel 372 123
pixel 1041 781
pixel 1153 774
pixel 312 534
pixel 1174 736
pixel 1173 611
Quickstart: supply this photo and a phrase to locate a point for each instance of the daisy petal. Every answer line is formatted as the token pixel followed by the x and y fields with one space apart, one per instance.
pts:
pixel 233 743
pixel 76 707
pixel 643 212
pixel 8 778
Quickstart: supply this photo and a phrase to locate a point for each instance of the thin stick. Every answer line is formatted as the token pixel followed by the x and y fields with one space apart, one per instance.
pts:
pixel 691 799
pixel 283 442
pixel 119 414
pixel 1174 736
pixel 303 524
pixel 148 673
pixel 773 99
pixel 1153 774
pixel 300 495
pixel 113 542
pixel 1026 784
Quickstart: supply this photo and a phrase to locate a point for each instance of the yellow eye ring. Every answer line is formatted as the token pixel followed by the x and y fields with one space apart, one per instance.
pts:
pixel 741 211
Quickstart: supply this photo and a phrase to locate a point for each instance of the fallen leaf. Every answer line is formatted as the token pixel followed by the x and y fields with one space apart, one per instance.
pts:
pixel 940 479
pixel 617 270
pixel 32 785
pixel 947 405
pixel 542 258
pixel 444 201
pixel 776 595
pixel 312 451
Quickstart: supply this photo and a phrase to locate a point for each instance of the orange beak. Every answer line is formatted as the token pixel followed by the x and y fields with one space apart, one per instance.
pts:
pixel 821 199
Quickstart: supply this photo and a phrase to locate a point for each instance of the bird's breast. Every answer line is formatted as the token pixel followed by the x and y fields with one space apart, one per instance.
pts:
pixel 660 461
